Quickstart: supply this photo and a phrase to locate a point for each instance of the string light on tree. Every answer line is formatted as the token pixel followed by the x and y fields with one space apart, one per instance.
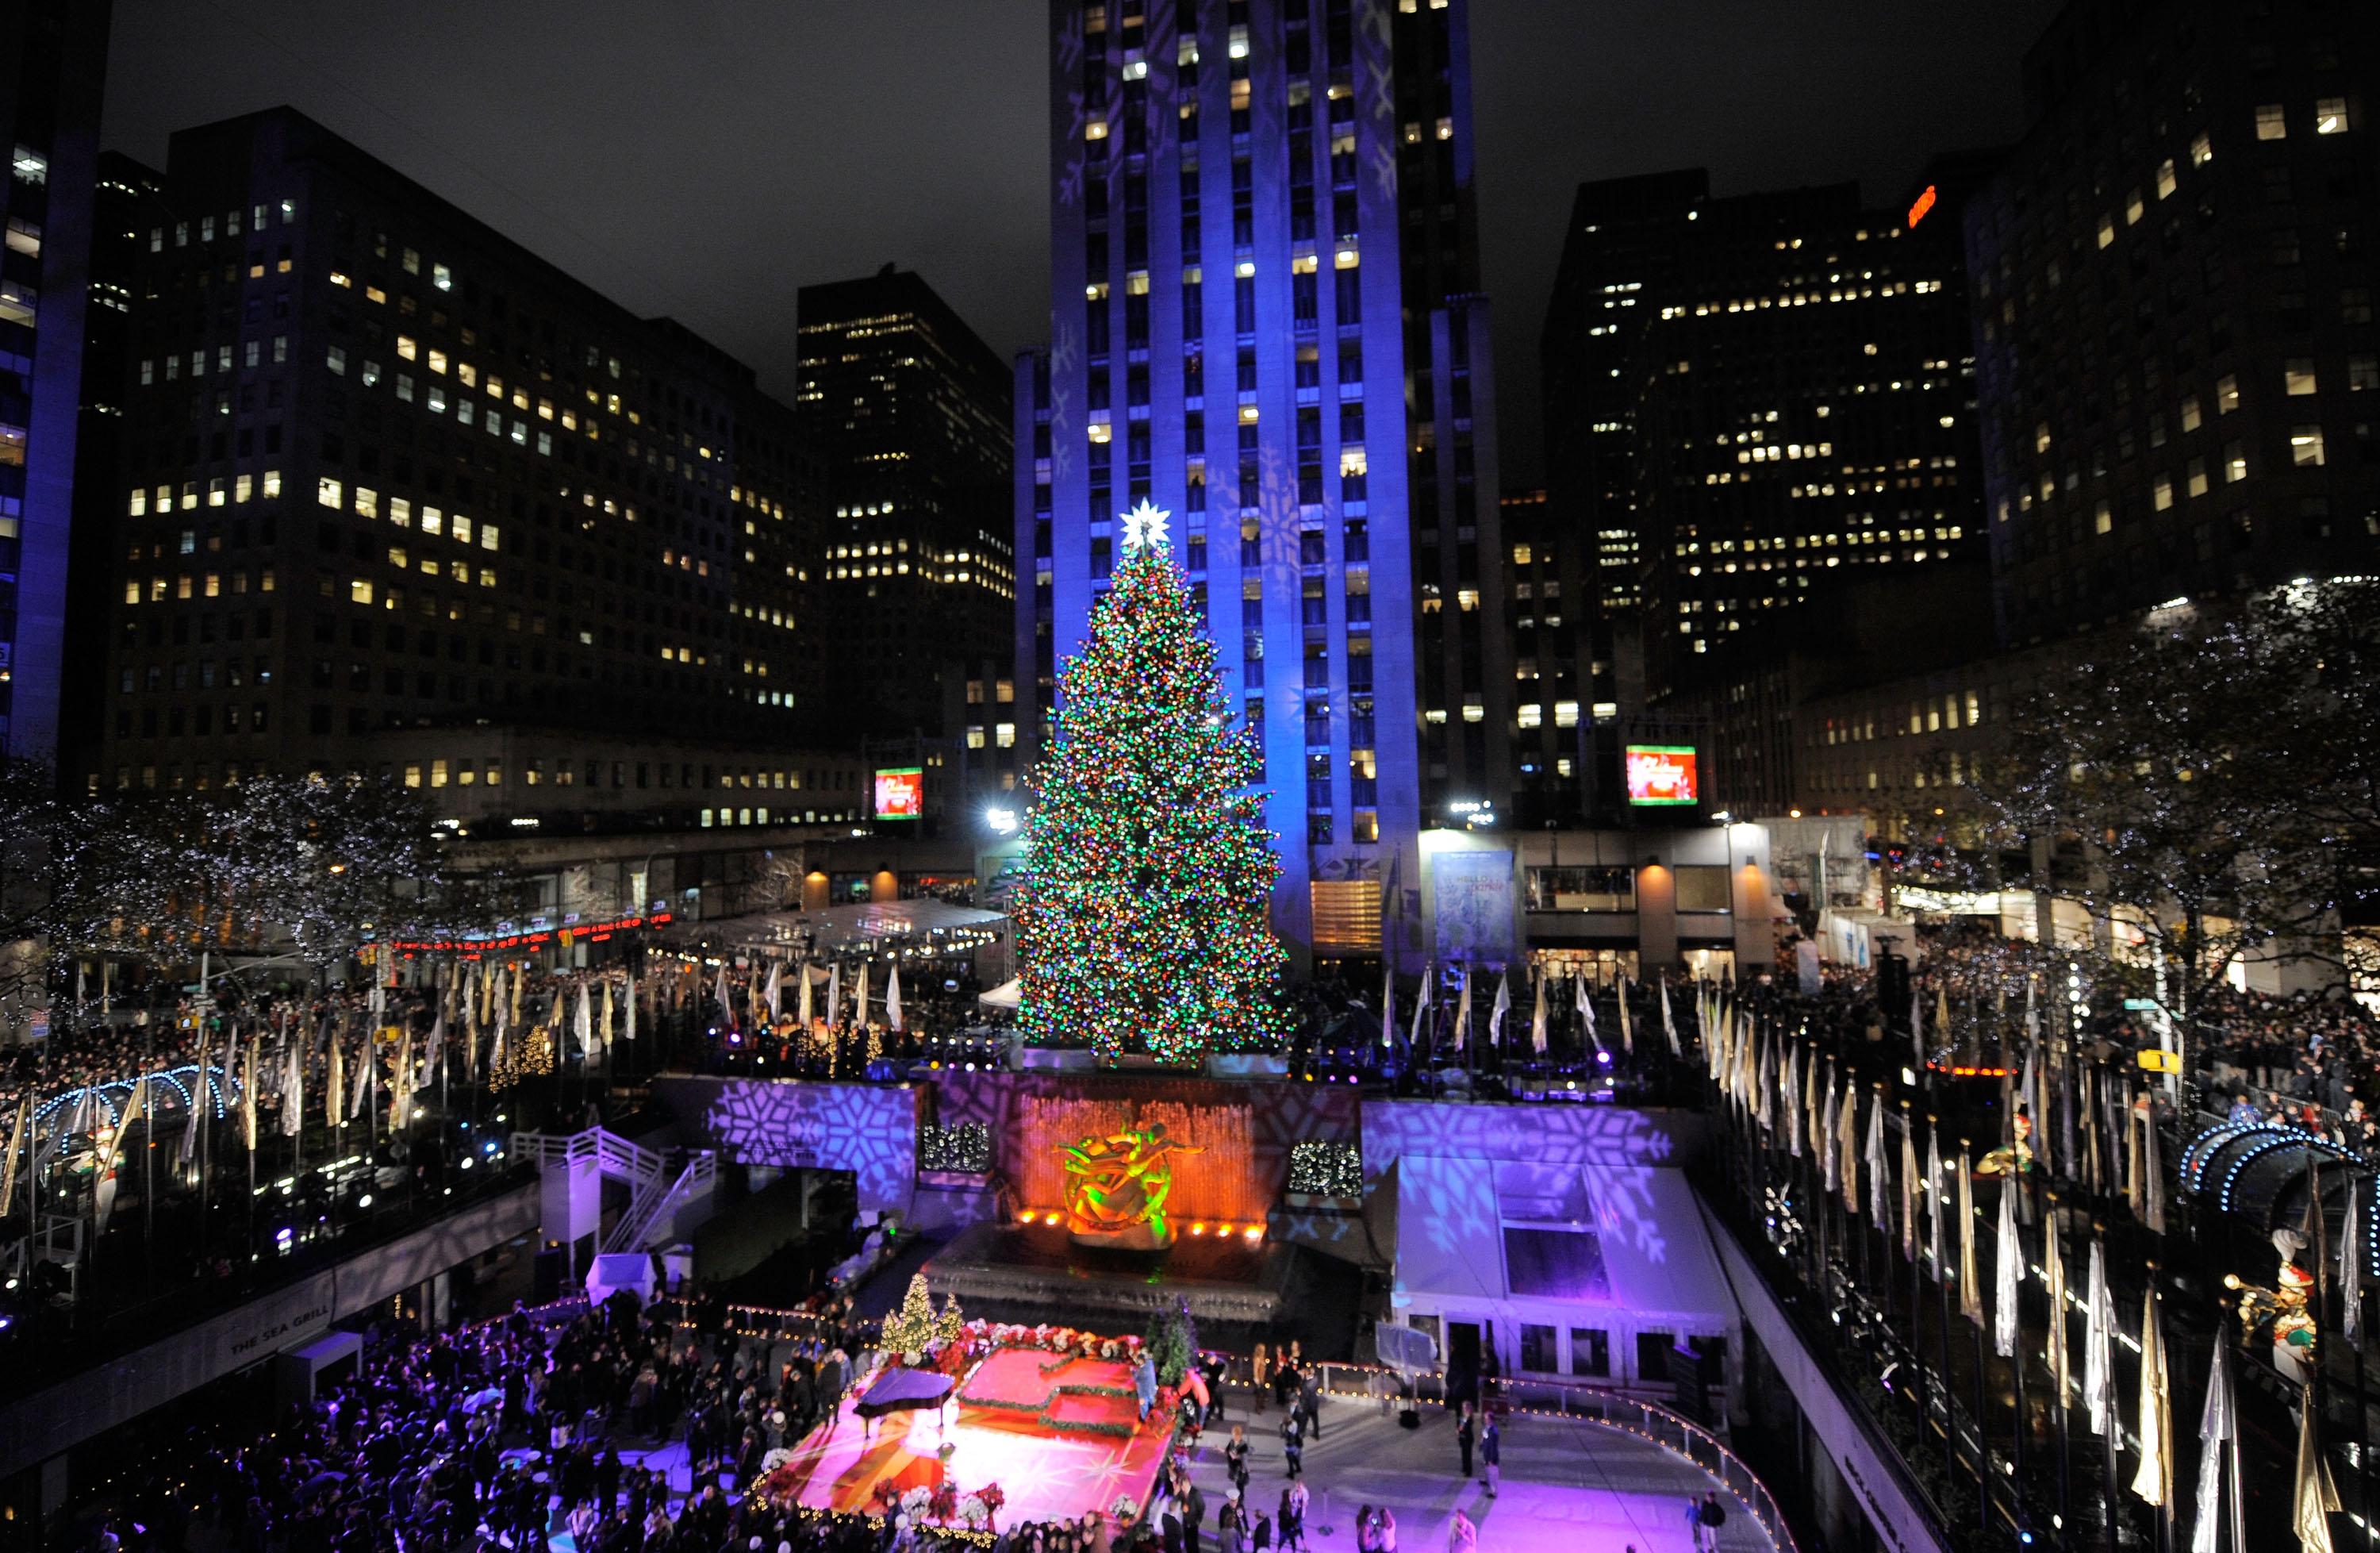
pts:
pixel 1140 917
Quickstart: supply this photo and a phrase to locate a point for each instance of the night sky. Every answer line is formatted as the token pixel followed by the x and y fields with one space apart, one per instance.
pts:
pixel 704 159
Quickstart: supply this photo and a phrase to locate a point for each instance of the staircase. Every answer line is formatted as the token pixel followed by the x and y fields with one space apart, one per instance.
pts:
pixel 655 1191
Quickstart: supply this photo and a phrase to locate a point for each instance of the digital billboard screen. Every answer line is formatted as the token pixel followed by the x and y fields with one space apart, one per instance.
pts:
pixel 1661 773
pixel 900 793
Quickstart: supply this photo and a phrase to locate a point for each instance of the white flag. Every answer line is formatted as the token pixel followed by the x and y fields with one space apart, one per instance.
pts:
pixel 1388 1000
pixel 1537 1021
pixel 893 998
pixel 2350 1266
pixel 774 992
pixel 1503 1006
pixel 1421 1003
pixel 2098 1343
pixel 293 1086
pixel 1463 1014
pixel 2216 1425
pixel 1879 1205
pixel 2153 1482
pixel 2008 1276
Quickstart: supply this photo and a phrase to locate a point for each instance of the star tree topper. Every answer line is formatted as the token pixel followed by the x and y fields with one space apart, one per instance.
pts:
pixel 1144 526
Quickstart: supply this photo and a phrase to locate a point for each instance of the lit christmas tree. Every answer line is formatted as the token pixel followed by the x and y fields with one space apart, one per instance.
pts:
pixel 1140 917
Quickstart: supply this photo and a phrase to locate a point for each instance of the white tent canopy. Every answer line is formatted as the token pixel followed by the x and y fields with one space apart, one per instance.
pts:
pixel 1007 995
pixel 1563 1249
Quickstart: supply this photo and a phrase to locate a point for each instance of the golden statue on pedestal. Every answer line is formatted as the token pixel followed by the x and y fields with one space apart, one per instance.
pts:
pixel 1116 1186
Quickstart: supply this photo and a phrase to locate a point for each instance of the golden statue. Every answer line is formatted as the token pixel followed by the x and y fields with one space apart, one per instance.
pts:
pixel 2283 1307
pixel 1116 1186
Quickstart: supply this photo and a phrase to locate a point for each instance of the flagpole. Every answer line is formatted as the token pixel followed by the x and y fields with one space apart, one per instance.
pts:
pixel 2055 1242
pixel 1916 1292
pixel 1968 1296
pixel 2113 1486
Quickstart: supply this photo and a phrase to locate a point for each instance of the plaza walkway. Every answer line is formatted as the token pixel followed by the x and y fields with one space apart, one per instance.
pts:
pixel 1568 1486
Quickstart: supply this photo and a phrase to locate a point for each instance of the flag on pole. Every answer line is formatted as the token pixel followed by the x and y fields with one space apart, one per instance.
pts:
pixel 805 1003
pixel 1971 1292
pixel 1830 1166
pixel 2008 1276
pixel 859 1012
pixel 400 1081
pixel 2061 1363
pixel 435 1048
pixel 1421 1003
pixel 1388 1000
pixel 1627 1023
pixel 2153 1482
pixel 1764 1109
pixel 1669 1024
pixel 582 1020
pixel 247 1099
pixel 1537 1020
pixel 2314 1496
pixel 1933 1194
pixel 135 1109
pixel 775 991
pixel 1813 1120
pixel 334 1084
pixel 893 998
pixel 2217 1425
pixel 2098 1342
pixel 1907 1187
pixel 1917 1028
pixel 16 1146
pixel 834 992
pixel 2152 1184
pixel 1846 1136
pixel 293 1085
pixel 603 1026
pixel 726 999
pixel 1791 1094
pixel 2352 1235
pixel 1503 1006
pixel 367 1063
pixel 1879 1205
pixel 629 1024
pixel 1463 1015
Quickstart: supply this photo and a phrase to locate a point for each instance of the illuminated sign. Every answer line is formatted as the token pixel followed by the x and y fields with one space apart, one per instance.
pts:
pixel 1661 773
pixel 1922 204
pixel 901 793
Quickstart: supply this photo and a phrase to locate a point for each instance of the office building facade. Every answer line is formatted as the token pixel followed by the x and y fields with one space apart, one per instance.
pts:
pixel 1757 389
pixel 386 472
pixel 1262 252
pixel 908 412
pixel 51 85
pixel 2173 278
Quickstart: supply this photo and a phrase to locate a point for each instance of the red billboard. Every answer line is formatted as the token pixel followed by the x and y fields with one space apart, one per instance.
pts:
pixel 1661 773
pixel 900 793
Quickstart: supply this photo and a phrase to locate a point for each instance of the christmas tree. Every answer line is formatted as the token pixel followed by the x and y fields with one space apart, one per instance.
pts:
pixel 915 1327
pixel 1140 915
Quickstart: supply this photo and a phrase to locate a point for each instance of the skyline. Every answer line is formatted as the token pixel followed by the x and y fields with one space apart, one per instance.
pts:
pixel 1875 89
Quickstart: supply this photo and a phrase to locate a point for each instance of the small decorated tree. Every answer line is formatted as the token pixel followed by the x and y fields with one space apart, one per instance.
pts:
pixel 1172 1343
pixel 1141 907
pixel 916 1327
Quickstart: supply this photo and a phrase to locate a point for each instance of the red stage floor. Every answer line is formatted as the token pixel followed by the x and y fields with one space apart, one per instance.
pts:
pixel 1047 1473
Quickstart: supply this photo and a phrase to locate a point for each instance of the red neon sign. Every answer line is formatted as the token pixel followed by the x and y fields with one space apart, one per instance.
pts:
pixel 1924 203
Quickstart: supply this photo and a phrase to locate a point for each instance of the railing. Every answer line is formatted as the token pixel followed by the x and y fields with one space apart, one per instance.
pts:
pixel 645 1211
pixel 614 1156
pixel 1680 1437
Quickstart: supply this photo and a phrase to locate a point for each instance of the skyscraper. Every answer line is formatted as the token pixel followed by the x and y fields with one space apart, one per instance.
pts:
pixel 908 411
pixel 51 78
pixel 1210 163
pixel 2173 280
pixel 394 485
pixel 1764 387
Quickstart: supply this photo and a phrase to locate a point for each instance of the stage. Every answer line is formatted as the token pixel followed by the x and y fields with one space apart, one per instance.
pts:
pixel 1036 1272
pixel 1059 1437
